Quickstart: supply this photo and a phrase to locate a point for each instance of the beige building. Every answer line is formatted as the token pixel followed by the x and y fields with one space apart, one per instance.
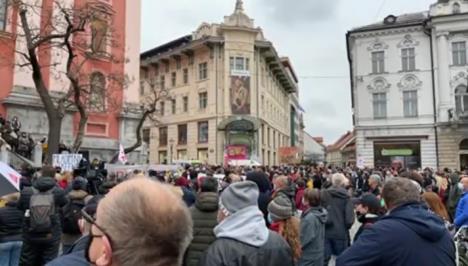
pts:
pixel 230 95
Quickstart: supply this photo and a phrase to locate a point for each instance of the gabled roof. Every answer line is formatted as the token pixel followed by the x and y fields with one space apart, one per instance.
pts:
pixel 392 21
pixel 341 142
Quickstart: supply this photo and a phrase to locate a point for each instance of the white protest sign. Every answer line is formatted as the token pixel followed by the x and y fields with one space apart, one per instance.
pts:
pixel 67 162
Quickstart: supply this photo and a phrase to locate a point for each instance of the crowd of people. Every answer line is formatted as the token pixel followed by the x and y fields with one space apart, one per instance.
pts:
pixel 234 216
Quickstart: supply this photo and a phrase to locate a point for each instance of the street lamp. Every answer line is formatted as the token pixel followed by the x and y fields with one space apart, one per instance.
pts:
pixel 171 143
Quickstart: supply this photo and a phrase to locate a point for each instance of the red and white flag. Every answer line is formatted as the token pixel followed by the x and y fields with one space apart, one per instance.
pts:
pixel 122 157
pixel 9 179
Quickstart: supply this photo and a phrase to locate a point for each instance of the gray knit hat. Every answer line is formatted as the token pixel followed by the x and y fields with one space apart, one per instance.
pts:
pixel 239 195
pixel 280 208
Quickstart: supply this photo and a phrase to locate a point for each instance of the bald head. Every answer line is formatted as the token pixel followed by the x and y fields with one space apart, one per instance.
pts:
pixel 147 223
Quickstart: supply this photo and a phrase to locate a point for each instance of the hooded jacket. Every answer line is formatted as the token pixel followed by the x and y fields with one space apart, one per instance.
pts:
pixel 242 239
pixel 10 223
pixel 409 235
pixel 340 212
pixel 204 216
pixel 261 179
pixel 313 222
pixel 43 184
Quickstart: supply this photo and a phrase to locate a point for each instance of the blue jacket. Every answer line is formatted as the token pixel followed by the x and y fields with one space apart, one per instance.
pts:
pixel 461 214
pixel 409 235
pixel 75 256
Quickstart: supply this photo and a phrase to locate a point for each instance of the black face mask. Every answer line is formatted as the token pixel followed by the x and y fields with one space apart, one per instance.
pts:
pixel 361 217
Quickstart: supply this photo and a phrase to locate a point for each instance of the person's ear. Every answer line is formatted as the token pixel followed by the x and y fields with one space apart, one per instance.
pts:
pixel 81 225
pixel 105 258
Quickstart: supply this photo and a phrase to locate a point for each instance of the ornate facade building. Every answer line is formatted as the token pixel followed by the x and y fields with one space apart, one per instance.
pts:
pixel 106 127
pixel 231 97
pixel 409 88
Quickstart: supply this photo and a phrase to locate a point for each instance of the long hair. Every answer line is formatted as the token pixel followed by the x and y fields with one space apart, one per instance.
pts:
pixel 289 230
pixel 436 205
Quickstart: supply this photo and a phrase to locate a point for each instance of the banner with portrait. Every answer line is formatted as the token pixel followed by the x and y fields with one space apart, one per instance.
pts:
pixel 240 95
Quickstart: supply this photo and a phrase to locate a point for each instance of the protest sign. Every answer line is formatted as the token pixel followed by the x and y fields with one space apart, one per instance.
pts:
pixel 67 162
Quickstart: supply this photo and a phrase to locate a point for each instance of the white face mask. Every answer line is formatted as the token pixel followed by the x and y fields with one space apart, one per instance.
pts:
pixel 460 186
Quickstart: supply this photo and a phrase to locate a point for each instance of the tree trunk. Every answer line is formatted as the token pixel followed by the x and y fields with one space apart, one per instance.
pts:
pixel 53 140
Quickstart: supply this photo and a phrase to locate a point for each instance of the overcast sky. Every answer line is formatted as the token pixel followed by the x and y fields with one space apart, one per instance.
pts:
pixel 310 32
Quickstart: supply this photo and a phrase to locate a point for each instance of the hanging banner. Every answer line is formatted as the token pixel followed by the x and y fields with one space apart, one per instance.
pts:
pixel 289 155
pixel 240 95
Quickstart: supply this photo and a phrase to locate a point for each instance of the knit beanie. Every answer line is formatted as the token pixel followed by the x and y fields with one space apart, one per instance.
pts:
pixel 239 195
pixel 280 208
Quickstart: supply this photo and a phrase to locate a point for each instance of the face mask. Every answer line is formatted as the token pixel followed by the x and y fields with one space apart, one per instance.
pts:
pixel 270 221
pixel 460 186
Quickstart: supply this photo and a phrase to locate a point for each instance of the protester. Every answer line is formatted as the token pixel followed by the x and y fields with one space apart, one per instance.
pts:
pixel 75 255
pixel 10 231
pixel 461 214
pixel 187 195
pixel 140 222
pixel 283 221
pixel 264 196
pixel 204 214
pixel 301 186
pixel 374 184
pixel 284 187
pixel 42 230
pixel 408 235
pixel 340 216
pixel 435 204
pixel 71 212
pixel 312 229
pixel 242 238
pixel 368 211
pixel 454 194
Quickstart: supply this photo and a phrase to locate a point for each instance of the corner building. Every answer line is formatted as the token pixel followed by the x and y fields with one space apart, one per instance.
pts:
pixel 230 95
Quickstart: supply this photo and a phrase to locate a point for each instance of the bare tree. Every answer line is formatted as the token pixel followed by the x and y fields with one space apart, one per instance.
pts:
pixel 66 30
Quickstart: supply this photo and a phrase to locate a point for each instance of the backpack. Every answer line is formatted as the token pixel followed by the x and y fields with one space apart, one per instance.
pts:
pixel 71 215
pixel 42 208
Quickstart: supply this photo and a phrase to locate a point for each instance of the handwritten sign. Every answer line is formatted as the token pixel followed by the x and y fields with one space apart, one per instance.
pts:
pixel 67 162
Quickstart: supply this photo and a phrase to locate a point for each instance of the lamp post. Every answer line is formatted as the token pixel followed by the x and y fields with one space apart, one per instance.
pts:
pixel 171 143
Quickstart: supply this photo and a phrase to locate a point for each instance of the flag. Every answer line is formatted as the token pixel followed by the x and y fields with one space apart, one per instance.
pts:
pixel 122 157
pixel 9 180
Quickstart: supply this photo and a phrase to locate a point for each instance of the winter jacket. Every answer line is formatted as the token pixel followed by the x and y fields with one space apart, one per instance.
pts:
pixel 264 187
pixel 11 220
pixel 454 195
pixel 75 256
pixel 204 216
pixel 242 239
pixel 288 192
pixel 43 184
pixel 312 233
pixel 299 196
pixel 461 214
pixel 340 212
pixel 75 195
pixel 409 235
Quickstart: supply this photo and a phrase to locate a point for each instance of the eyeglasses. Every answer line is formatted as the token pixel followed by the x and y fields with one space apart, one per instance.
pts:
pixel 90 219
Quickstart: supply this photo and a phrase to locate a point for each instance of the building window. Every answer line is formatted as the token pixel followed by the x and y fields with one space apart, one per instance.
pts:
pixel 378 62
pixel 410 103
pixel 163 157
pixel 203 71
pixel 178 63
pixel 99 30
pixel 163 136
pixel 97 101
pixel 3 14
pixel 202 155
pixel 203 100
pixel 408 59
pixel 163 82
pixel 203 132
pixel 182 134
pixel 163 106
pixel 182 155
pixel 173 79
pixel 173 106
pixel 380 105
pixel 263 134
pixel 167 67
pixel 186 76
pixel 185 104
pixel 461 100
pixel 239 63
pixel 459 53
pixel 268 137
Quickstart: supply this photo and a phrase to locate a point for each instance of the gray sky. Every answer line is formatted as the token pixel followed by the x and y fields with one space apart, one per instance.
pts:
pixel 310 32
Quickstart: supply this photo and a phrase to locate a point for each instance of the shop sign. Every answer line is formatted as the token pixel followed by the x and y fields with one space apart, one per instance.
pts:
pixel 397 152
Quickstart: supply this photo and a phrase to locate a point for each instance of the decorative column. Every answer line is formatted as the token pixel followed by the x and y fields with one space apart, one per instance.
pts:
pixel 443 75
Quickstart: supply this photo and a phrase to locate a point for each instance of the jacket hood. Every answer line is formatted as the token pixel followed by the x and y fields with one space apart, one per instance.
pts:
pixel 289 191
pixel 338 192
pixel 77 194
pixel 246 226
pixel 419 219
pixel 207 201
pixel 44 183
pixel 319 212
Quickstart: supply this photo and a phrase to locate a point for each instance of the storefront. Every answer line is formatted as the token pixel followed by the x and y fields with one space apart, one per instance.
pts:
pixel 240 138
pixel 398 154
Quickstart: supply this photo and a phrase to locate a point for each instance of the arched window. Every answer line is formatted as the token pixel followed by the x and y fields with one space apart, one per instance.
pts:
pixel 97 93
pixel 464 144
pixel 99 32
pixel 461 100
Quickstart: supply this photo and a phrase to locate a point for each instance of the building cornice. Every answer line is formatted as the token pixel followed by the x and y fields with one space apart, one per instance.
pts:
pixel 397 30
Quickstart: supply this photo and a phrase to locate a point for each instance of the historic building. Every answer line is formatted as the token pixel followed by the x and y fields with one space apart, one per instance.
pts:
pixel 408 79
pixel 106 127
pixel 230 95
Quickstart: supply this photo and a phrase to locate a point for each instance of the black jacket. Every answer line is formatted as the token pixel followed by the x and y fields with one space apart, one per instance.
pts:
pixel 43 184
pixel 11 220
pixel 230 252
pixel 408 235
pixel 264 197
pixel 204 216
pixel 340 212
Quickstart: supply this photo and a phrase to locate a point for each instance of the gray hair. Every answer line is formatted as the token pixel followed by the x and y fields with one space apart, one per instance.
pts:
pixel 147 222
pixel 398 191
pixel 338 180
